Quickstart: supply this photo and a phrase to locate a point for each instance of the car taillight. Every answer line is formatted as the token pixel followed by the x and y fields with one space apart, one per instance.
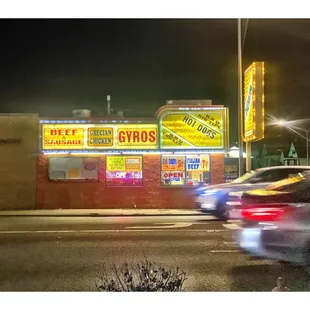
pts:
pixel 265 212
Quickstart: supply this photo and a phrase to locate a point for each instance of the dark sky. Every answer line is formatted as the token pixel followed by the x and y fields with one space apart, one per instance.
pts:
pixel 53 66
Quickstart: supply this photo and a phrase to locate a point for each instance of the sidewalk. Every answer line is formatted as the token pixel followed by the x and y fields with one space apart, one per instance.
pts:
pixel 102 212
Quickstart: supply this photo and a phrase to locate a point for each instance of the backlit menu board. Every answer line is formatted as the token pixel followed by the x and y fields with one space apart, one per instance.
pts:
pixel 172 170
pixel 124 171
pixel 197 163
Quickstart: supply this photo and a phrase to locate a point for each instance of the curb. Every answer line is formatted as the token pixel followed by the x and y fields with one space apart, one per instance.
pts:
pixel 120 213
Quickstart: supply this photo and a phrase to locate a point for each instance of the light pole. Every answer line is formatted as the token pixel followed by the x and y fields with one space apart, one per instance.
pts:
pixel 285 124
pixel 240 103
pixel 307 138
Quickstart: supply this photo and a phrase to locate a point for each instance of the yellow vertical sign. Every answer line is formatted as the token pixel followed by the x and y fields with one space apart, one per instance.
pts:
pixel 254 102
pixel 248 103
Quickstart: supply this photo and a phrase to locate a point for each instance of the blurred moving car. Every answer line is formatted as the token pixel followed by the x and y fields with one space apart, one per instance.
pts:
pixel 213 199
pixel 276 221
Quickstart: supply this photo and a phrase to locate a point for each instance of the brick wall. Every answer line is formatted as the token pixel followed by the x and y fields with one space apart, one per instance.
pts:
pixel 95 195
pixel 217 168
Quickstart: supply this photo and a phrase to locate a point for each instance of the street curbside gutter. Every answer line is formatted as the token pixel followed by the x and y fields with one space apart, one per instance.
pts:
pixel 100 212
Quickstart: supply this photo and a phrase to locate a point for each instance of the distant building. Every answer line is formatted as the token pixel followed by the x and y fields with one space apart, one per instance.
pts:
pixel 275 155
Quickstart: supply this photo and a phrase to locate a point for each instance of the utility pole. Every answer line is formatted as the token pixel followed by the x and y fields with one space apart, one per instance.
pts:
pixel 307 146
pixel 240 103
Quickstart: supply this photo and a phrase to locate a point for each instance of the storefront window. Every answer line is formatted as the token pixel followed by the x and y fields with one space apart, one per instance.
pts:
pixel 73 168
pixel 173 170
pixel 181 170
pixel 197 170
pixel 124 170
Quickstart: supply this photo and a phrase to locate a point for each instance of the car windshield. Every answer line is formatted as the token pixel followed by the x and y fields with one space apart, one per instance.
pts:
pixel 246 177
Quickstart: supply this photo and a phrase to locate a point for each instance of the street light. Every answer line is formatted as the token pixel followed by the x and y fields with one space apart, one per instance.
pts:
pixel 283 123
pixel 240 102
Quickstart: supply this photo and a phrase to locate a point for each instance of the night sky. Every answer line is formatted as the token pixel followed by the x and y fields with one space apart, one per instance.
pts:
pixel 51 67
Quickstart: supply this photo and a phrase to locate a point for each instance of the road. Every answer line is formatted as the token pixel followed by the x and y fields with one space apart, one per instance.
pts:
pixel 66 253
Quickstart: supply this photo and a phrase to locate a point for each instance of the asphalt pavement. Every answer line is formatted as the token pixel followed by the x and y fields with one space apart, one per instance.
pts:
pixel 67 253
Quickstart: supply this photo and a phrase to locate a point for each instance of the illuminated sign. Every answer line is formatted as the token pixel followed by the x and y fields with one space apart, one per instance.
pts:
pixel 124 170
pixel 63 137
pixel 254 102
pixel 136 136
pixel 248 106
pixel 173 177
pixel 197 163
pixel 172 170
pixel 124 163
pixel 175 170
pixel 194 128
pixel 173 163
pixel 91 136
pixel 100 136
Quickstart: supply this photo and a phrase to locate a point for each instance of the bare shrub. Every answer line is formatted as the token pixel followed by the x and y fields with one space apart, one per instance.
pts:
pixel 146 276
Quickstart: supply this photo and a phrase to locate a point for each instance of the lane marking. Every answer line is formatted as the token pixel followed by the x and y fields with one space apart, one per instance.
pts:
pixel 230 243
pixel 224 251
pixel 262 261
pixel 163 225
pixel 231 226
pixel 106 231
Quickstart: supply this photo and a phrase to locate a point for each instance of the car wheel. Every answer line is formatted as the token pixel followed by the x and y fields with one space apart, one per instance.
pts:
pixel 222 211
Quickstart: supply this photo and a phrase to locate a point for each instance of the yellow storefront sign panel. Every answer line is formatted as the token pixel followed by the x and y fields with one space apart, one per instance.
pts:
pixel 63 137
pixel 100 136
pixel 145 137
pixel 91 136
pixel 115 163
pixel 193 130
pixel 124 163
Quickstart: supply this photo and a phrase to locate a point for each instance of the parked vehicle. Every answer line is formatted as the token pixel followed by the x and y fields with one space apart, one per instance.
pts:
pixel 276 221
pixel 213 199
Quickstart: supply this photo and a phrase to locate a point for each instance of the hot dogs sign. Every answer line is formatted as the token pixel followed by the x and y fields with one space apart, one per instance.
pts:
pixel 203 129
pixel 81 136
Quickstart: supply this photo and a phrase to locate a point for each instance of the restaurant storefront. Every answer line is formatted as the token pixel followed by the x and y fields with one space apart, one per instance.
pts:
pixel 131 163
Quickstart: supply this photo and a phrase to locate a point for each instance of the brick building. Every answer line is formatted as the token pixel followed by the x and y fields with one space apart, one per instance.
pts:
pixel 85 162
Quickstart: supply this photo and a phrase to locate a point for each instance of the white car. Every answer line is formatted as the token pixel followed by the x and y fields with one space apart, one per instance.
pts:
pixel 213 199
